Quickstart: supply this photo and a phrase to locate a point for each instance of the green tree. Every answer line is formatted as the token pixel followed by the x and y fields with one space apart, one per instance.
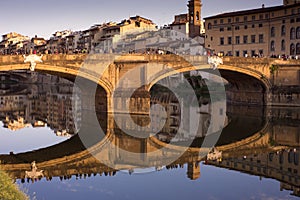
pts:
pixel 9 190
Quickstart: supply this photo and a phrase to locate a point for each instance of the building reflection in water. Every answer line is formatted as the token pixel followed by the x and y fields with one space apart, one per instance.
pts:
pixel 265 143
pixel 41 100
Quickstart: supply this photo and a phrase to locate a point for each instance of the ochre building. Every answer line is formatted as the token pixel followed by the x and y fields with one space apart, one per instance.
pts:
pixel 265 31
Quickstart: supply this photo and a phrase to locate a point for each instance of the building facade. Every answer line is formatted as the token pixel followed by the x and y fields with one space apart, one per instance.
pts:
pixel 259 32
pixel 12 43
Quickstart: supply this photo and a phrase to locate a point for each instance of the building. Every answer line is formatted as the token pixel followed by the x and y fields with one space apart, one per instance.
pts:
pixel 12 43
pixel 58 42
pixel 181 26
pixel 39 44
pixel 258 32
pixel 73 42
pixel 189 24
pixel 113 33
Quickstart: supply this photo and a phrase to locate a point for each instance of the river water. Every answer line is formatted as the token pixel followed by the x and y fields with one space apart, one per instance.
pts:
pixel 40 122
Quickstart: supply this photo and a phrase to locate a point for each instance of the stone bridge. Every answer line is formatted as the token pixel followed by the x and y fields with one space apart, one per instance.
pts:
pixel 255 81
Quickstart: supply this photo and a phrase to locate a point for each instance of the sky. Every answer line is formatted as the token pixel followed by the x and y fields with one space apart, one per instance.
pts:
pixel 44 17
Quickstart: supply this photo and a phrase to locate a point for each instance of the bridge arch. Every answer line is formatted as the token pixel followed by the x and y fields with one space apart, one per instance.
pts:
pixel 74 72
pixel 245 79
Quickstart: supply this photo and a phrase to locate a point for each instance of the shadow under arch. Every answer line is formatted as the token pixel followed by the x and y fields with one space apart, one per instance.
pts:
pixel 243 79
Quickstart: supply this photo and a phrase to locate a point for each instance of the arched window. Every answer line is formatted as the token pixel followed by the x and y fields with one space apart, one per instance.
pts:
pixel 298 33
pixel 292 49
pixel 273 32
pixel 197 15
pixel 292 35
pixel 283 30
pixel 272 45
pixel 282 45
pixel 298 49
pixel 209 26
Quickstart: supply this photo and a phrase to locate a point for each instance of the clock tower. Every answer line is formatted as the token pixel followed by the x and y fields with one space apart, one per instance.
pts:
pixel 194 17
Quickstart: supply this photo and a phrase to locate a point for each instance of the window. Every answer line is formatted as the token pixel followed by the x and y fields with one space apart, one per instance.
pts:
pixel 291 157
pixel 253 39
pixel 237 19
pixel 215 22
pixel 245 18
pixel 221 41
pixel 281 158
pixel 237 53
pixel 209 26
pixel 273 32
pixel 253 53
pixel 260 25
pixel 221 29
pixel 253 17
pixel 229 28
pixel 292 34
pixel 229 20
pixel 296 159
pixel 245 39
pixel 221 21
pixel 261 16
pixel 283 30
pixel 272 45
pixel 267 16
pixel 245 27
pixel 245 53
pixel 237 39
pixel 293 11
pixel 283 21
pixel 298 33
pixel 292 49
pixel 211 38
pixel 237 28
pixel 298 49
pixel 261 52
pixel 253 25
pixel 197 15
pixel 282 45
pixel 229 40
pixel 229 53
pixel 292 21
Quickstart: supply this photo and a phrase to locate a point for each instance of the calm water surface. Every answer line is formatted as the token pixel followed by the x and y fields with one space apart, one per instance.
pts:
pixel 260 150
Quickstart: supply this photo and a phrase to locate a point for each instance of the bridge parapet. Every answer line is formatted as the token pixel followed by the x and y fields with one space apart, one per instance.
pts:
pixel 242 61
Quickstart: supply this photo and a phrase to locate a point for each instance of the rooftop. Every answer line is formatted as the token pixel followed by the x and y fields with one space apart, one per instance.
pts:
pixel 252 11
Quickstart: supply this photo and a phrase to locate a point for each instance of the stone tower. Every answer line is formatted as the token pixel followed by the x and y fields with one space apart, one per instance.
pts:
pixel 194 17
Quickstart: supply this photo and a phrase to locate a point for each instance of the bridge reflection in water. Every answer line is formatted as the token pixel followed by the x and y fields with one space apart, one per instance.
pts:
pixel 265 142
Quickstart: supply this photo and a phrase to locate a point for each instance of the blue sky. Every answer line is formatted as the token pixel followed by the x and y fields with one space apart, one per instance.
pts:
pixel 43 18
